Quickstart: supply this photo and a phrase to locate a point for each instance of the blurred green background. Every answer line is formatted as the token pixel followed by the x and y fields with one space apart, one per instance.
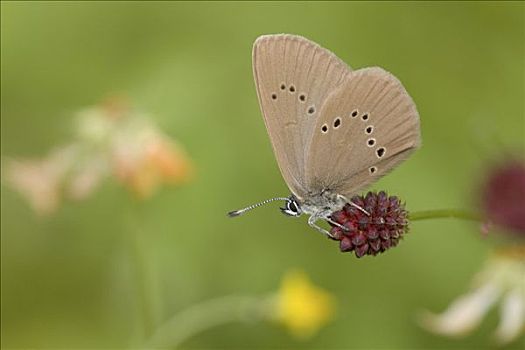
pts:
pixel 67 280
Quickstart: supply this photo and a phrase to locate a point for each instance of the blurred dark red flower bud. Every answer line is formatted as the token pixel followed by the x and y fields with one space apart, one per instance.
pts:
pixel 503 196
pixel 372 233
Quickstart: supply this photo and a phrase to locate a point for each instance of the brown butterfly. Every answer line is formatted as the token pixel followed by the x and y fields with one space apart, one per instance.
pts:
pixel 334 131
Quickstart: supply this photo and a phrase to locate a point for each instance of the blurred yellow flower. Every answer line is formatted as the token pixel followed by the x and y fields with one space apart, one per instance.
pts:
pixel 301 306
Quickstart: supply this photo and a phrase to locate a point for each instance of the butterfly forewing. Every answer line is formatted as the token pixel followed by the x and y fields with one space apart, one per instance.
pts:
pixel 367 126
pixel 293 77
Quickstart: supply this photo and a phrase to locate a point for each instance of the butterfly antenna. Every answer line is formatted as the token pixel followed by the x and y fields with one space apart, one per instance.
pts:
pixel 235 213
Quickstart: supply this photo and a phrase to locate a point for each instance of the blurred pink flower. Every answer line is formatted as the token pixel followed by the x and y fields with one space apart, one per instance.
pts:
pixel 111 140
pixel 85 179
pixel 39 180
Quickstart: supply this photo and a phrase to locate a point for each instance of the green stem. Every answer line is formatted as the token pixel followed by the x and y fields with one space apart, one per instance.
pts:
pixel 146 283
pixel 145 290
pixel 204 316
pixel 444 214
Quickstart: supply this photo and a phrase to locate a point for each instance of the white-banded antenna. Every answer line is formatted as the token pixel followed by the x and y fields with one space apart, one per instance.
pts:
pixel 235 213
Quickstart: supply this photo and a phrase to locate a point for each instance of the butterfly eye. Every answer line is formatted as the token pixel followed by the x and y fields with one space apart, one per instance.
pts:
pixel 283 87
pixel 324 129
pixel 302 97
pixel 292 88
pixel 354 113
pixel 291 208
pixel 380 152
pixel 372 170
pixel 371 142
pixel 364 117
pixel 274 97
pixel 369 129
pixel 311 110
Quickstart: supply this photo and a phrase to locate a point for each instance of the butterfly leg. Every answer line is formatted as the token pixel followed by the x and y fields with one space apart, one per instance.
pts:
pixel 354 205
pixel 336 224
pixel 311 221
pixel 359 207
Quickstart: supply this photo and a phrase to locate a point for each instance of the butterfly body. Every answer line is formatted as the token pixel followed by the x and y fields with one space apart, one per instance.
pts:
pixel 319 206
pixel 333 130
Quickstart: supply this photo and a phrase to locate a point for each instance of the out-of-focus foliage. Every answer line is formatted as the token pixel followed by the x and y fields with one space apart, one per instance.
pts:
pixel 68 281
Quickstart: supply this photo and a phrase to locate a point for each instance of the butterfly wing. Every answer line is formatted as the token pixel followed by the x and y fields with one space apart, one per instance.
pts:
pixel 367 126
pixel 293 76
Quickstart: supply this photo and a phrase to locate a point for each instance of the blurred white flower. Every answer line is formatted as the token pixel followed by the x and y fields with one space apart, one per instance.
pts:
pixel 86 176
pixel 501 281
pixel 111 140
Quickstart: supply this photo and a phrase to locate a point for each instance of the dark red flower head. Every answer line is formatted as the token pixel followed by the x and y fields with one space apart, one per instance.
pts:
pixel 373 232
pixel 503 195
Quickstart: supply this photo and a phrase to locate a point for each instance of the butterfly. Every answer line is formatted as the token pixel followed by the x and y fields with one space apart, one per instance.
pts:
pixel 333 130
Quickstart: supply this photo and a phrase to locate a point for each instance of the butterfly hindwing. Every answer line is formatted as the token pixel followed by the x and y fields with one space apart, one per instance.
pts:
pixel 367 126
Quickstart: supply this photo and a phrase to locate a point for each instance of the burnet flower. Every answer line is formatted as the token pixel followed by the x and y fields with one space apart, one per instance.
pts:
pixel 374 224
pixel 501 282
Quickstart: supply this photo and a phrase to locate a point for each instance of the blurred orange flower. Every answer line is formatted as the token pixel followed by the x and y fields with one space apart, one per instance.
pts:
pixel 110 139
pixel 160 162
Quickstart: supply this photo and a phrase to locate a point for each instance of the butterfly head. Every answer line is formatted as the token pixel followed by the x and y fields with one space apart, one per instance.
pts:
pixel 291 207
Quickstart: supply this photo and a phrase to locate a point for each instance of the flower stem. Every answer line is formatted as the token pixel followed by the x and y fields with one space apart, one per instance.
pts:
pixel 206 315
pixel 146 282
pixel 146 293
pixel 444 214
